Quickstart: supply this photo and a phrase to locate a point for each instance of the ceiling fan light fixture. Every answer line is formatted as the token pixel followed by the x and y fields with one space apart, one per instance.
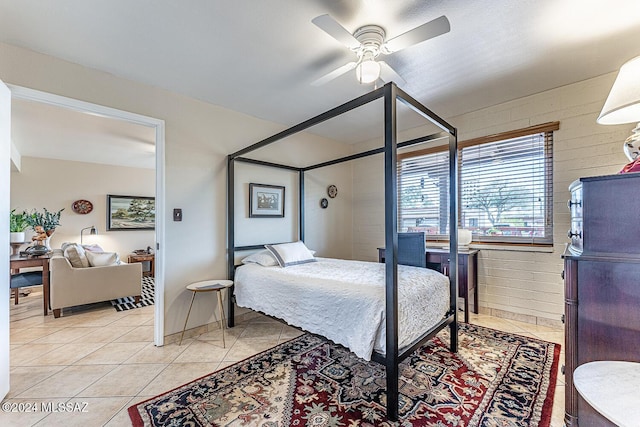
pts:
pixel 368 71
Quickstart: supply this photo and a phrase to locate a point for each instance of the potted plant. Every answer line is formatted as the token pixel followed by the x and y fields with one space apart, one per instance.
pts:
pixel 17 224
pixel 44 224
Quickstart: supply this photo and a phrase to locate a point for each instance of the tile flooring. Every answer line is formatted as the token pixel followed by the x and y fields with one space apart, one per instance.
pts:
pixel 98 362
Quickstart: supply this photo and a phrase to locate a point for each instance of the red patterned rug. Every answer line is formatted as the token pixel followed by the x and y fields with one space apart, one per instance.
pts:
pixel 496 379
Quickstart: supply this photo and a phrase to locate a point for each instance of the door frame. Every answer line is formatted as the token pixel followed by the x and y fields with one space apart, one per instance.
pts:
pixel 23 93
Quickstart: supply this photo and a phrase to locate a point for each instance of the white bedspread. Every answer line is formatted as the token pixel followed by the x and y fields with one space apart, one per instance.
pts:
pixel 345 300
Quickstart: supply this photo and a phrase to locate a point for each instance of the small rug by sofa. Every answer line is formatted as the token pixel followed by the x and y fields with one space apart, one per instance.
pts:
pixel 146 298
pixel 496 379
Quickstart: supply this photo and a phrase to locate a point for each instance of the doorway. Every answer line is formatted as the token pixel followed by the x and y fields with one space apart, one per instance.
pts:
pixel 157 126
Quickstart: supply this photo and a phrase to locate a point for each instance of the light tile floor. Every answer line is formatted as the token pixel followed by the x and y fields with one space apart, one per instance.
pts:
pixel 98 362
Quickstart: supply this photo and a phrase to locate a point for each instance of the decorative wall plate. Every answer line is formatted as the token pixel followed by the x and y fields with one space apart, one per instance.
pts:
pixel 332 191
pixel 324 203
pixel 82 207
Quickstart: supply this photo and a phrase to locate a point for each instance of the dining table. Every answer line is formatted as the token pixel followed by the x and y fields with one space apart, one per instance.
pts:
pixel 20 261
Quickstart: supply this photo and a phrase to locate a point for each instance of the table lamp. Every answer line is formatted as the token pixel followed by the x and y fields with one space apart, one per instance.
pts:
pixel 623 106
pixel 93 231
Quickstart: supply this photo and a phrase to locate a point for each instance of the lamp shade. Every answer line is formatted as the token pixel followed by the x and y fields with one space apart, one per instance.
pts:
pixel 623 103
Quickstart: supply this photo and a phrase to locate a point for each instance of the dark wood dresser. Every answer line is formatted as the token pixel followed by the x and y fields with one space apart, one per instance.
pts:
pixel 602 282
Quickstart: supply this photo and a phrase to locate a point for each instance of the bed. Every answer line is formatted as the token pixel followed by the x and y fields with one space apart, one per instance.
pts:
pixel 343 300
pixel 390 325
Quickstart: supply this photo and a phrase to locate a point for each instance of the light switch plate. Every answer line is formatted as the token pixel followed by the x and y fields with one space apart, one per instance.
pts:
pixel 177 214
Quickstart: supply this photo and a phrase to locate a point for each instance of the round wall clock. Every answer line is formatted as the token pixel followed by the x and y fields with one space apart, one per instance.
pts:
pixel 82 207
pixel 332 191
pixel 324 203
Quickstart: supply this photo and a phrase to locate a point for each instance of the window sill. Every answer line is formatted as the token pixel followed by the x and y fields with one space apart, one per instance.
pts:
pixel 501 247
pixel 515 248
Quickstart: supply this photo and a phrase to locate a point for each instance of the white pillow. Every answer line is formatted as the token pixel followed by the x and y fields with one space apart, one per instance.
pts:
pixel 288 254
pixel 93 248
pixel 101 259
pixel 263 258
pixel 75 254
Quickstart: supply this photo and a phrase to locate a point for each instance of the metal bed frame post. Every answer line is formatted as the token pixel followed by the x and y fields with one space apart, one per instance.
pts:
pixel 391 247
pixel 231 243
pixel 453 238
pixel 301 204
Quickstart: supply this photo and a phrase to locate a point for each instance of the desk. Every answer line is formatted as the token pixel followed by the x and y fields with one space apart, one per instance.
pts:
pixel 611 388
pixel 438 259
pixel 144 257
pixel 17 262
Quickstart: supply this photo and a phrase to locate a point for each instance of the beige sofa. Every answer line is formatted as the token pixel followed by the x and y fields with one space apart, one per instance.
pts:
pixel 72 286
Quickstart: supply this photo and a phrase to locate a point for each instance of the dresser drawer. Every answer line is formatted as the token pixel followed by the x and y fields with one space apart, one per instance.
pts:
pixel 575 203
pixel 577 237
pixel 443 258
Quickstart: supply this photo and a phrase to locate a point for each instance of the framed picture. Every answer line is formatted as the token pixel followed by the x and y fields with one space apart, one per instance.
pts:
pixel 266 201
pixel 130 213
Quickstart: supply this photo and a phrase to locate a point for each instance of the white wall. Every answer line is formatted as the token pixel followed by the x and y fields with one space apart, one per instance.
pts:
pixel 56 184
pixel 517 284
pixel 199 136
pixel 327 231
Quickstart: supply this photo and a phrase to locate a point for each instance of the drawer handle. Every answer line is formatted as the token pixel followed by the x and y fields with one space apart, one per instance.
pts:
pixel 571 203
pixel 571 234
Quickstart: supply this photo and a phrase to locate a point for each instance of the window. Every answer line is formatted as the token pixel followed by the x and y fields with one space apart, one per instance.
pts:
pixel 506 188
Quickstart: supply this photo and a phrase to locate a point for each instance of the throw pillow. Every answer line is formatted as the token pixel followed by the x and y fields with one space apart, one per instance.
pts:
pixel 263 258
pixel 76 255
pixel 102 259
pixel 93 248
pixel 288 254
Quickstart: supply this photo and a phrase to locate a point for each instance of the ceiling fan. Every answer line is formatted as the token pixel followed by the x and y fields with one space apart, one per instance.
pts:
pixel 368 43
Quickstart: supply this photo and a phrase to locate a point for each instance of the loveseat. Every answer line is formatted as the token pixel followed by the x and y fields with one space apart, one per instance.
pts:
pixel 71 286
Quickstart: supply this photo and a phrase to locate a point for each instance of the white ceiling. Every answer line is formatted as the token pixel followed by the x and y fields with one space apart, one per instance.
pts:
pixel 47 131
pixel 260 56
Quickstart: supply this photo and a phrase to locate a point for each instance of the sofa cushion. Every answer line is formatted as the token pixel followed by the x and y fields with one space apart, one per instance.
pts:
pixel 101 259
pixel 76 255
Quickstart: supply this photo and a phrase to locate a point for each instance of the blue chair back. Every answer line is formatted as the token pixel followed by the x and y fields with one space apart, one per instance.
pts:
pixel 411 249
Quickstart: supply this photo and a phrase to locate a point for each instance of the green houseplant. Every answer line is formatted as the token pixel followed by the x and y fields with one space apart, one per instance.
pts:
pixel 44 224
pixel 17 224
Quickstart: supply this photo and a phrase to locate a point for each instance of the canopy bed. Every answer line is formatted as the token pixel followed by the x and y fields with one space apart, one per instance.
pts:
pixel 393 350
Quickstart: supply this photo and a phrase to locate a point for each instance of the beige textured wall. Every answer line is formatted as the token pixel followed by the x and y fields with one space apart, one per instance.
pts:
pixel 515 283
pixel 56 184
pixel 199 136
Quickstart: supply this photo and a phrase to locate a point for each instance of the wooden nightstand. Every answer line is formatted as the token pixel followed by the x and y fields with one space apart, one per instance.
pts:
pixel 144 257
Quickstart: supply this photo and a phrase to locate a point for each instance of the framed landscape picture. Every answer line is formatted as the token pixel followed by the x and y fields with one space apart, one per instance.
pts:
pixel 266 201
pixel 130 213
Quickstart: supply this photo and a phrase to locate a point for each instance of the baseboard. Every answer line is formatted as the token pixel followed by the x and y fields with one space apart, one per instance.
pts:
pixel 203 329
pixel 526 318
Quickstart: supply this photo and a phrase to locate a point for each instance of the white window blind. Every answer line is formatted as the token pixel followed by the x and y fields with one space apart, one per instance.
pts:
pixel 423 193
pixel 506 188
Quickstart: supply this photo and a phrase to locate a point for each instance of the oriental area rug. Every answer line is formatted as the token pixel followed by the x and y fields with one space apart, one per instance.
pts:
pixel 495 379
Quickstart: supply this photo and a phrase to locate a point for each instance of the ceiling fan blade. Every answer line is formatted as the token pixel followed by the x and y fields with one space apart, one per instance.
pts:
pixel 334 74
pixel 330 26
pixel 419 34
pixel 388 74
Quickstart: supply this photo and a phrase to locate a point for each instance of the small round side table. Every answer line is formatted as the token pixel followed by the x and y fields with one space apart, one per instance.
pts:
pixel 209 286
